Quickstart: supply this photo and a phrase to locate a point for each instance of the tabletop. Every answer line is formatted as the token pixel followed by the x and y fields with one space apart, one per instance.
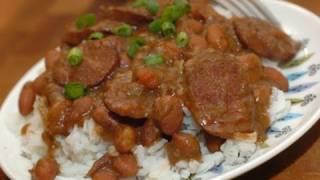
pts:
pixel 29 28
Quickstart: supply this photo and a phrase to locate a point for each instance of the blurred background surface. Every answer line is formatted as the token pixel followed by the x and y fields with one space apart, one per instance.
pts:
pixel 28 28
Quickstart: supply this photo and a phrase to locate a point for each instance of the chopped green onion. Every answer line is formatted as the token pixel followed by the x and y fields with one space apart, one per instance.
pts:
pixel 74 90
pixel 139 3
pixel 134 45
pixel 165 24
pixel 175 11
pixel 168 29
pixel 151 5
pixel 155 26
pixel 133 49
pixel 75 56
pixel 96 36
pixel 85 20
pixel 153 59
pixel 124 30
pixel 182 39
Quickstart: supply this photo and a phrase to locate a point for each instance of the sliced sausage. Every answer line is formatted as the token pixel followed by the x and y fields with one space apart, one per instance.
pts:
pixel 125 138
pixel 265 39
pixel 98 61
pixel 46 168
pixel 219 94
pixel 183 147
pixel 126 165
pixel 127 98
pixel 168 114
pixel 75 36
pixel 127 14
pixel 276 78
pixel 27 99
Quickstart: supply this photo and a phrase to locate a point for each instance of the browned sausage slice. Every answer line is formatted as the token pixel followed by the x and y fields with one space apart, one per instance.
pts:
pixel 27 99
pixel 127 98
pixel 168 114
pixel 265 39
pixel 220 95
pixel 128 14
pixel 75 36
pixel 98 61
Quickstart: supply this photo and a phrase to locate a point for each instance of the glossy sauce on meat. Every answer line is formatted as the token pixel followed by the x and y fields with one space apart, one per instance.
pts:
pixel 137 100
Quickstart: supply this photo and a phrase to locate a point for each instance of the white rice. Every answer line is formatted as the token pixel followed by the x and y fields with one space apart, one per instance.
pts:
pixel 84 146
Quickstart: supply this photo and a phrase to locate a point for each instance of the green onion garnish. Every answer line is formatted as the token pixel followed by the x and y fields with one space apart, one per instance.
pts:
pixel 174 12
pixel 124 30
pixel 86 20
pixel 182 39
pixel 155 26
pixel 168 29
pixel 169 17
pixel 75 56
pixel 153 59
pixel 96 36
pixel 151 5
pixel 134 45
pixel 74 90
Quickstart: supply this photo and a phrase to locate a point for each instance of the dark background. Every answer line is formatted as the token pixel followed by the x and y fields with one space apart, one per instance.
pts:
pixel 28 28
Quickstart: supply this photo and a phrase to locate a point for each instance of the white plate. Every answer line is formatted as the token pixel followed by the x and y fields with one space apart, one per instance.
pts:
pixel 304 89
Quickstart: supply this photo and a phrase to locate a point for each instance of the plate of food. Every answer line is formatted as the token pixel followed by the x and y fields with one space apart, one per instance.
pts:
pixel 164 90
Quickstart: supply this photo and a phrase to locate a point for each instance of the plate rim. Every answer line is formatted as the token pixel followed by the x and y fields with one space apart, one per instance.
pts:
pixel 256 162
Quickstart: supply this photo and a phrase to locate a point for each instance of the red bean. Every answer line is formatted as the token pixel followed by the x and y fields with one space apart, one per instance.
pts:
pixel 101 116
pixel 126 165
pixel 27 99
pixel 168 114
pixel 125 138
pixel 197 42
pixel 45 169
pixel 147 77
pixel 104 162
pixel 105 175
pixel 149 133
pixel 183 147
pixel 40 83
pixel 217 37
